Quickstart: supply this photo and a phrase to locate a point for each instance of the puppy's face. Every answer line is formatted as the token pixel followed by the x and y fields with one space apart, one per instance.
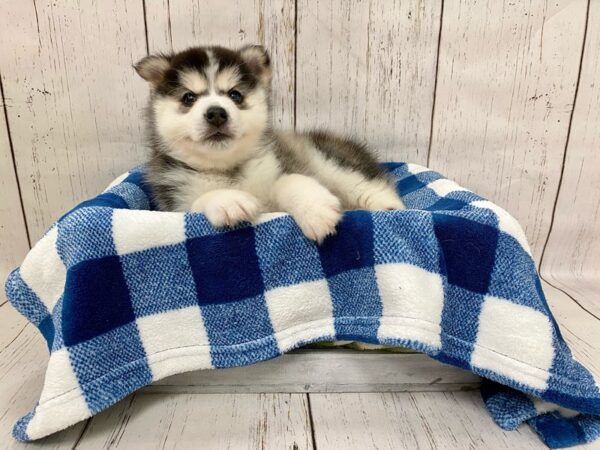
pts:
pixel 207 102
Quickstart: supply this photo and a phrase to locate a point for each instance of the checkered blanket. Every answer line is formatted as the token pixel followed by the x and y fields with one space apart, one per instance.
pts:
pixel 125 296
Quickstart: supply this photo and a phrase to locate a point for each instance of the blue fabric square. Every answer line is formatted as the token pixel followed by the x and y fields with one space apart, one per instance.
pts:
pixel 24 299
pixel 468 251
pixel 405 236
pixel 579 383
pixel 557 431
pixel 590 424
pixel 546 307
pixel 159 279
pixel 448 204
pixel 416 183
pixel 409 184
pixel 508 407
pixel 460 322
pixel 197 225
pixel 47 329
pixel 396 170
pixel 132 194
pixel 465 196
pixel 245 354
pixel 420 199
pixel 19 431
pixel 237 322
pixel 286 256
pixel 352 247
pixel 511 275
pixel 242 323
pixel 58 341
pixel 225 260
pixel 357 306
pixel 96 300
pixel 136 177
pixel 106 200
pixel 483 216
pixel 117 355
pixel 76 243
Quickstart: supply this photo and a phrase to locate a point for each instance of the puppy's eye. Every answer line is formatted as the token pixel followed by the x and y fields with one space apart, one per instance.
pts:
pixel 188 98
pixel 236 96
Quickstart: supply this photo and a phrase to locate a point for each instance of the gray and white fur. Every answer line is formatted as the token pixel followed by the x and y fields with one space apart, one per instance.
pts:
pixel 214 151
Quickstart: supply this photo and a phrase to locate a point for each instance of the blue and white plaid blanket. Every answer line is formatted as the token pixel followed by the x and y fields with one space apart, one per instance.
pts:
pixel 125 296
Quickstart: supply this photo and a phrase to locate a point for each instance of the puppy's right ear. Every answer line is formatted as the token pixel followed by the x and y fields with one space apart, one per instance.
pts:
pixel 153 68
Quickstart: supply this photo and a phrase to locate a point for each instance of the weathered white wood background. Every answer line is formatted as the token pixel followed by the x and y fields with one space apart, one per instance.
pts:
pixel 501 96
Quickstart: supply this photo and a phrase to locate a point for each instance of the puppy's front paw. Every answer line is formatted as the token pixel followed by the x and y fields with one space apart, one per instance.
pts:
pixel 383 200
pixel 319 219
pixel 228 207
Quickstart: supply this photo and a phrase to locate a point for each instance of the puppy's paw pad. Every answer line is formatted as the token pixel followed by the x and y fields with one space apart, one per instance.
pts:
pixel 320 220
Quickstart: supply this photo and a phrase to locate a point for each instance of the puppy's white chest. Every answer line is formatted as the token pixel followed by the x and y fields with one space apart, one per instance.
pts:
pixel 258 177
pixel 193 185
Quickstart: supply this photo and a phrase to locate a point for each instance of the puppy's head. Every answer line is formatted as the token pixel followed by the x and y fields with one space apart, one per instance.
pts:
pixel 208 103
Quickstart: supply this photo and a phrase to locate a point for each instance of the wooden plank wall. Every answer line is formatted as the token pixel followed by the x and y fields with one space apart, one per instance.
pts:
pixel 368 68
pixel 482 90
pixel 13 233
pixel 73 101
pixel 572 257
pixel 506 83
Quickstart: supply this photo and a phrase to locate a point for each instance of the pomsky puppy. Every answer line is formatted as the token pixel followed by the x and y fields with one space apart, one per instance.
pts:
pixel 215 152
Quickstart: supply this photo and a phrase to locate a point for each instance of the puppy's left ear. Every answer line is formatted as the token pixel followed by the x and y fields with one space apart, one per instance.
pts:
pixel 257 58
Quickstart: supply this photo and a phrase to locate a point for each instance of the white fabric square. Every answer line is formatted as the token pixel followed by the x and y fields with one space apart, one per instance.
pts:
pixel 61 390
pixel 43 270
pixel 506 223
pixel 136 230
pixel 266 217
pixel 173 338
pixel 543 407
pixel 60 377
pixel 415 168
pixel 308 304
pixel 413 299
pixel 443 187
pixel 515 341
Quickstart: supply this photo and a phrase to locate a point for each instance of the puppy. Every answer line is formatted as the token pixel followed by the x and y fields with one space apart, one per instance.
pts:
pixel 214 151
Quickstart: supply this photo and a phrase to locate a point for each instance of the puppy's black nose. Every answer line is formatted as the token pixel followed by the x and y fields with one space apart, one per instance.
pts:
pixel 216 116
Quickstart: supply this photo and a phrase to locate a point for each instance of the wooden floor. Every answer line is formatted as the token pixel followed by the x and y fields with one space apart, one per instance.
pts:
pixel 408 420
